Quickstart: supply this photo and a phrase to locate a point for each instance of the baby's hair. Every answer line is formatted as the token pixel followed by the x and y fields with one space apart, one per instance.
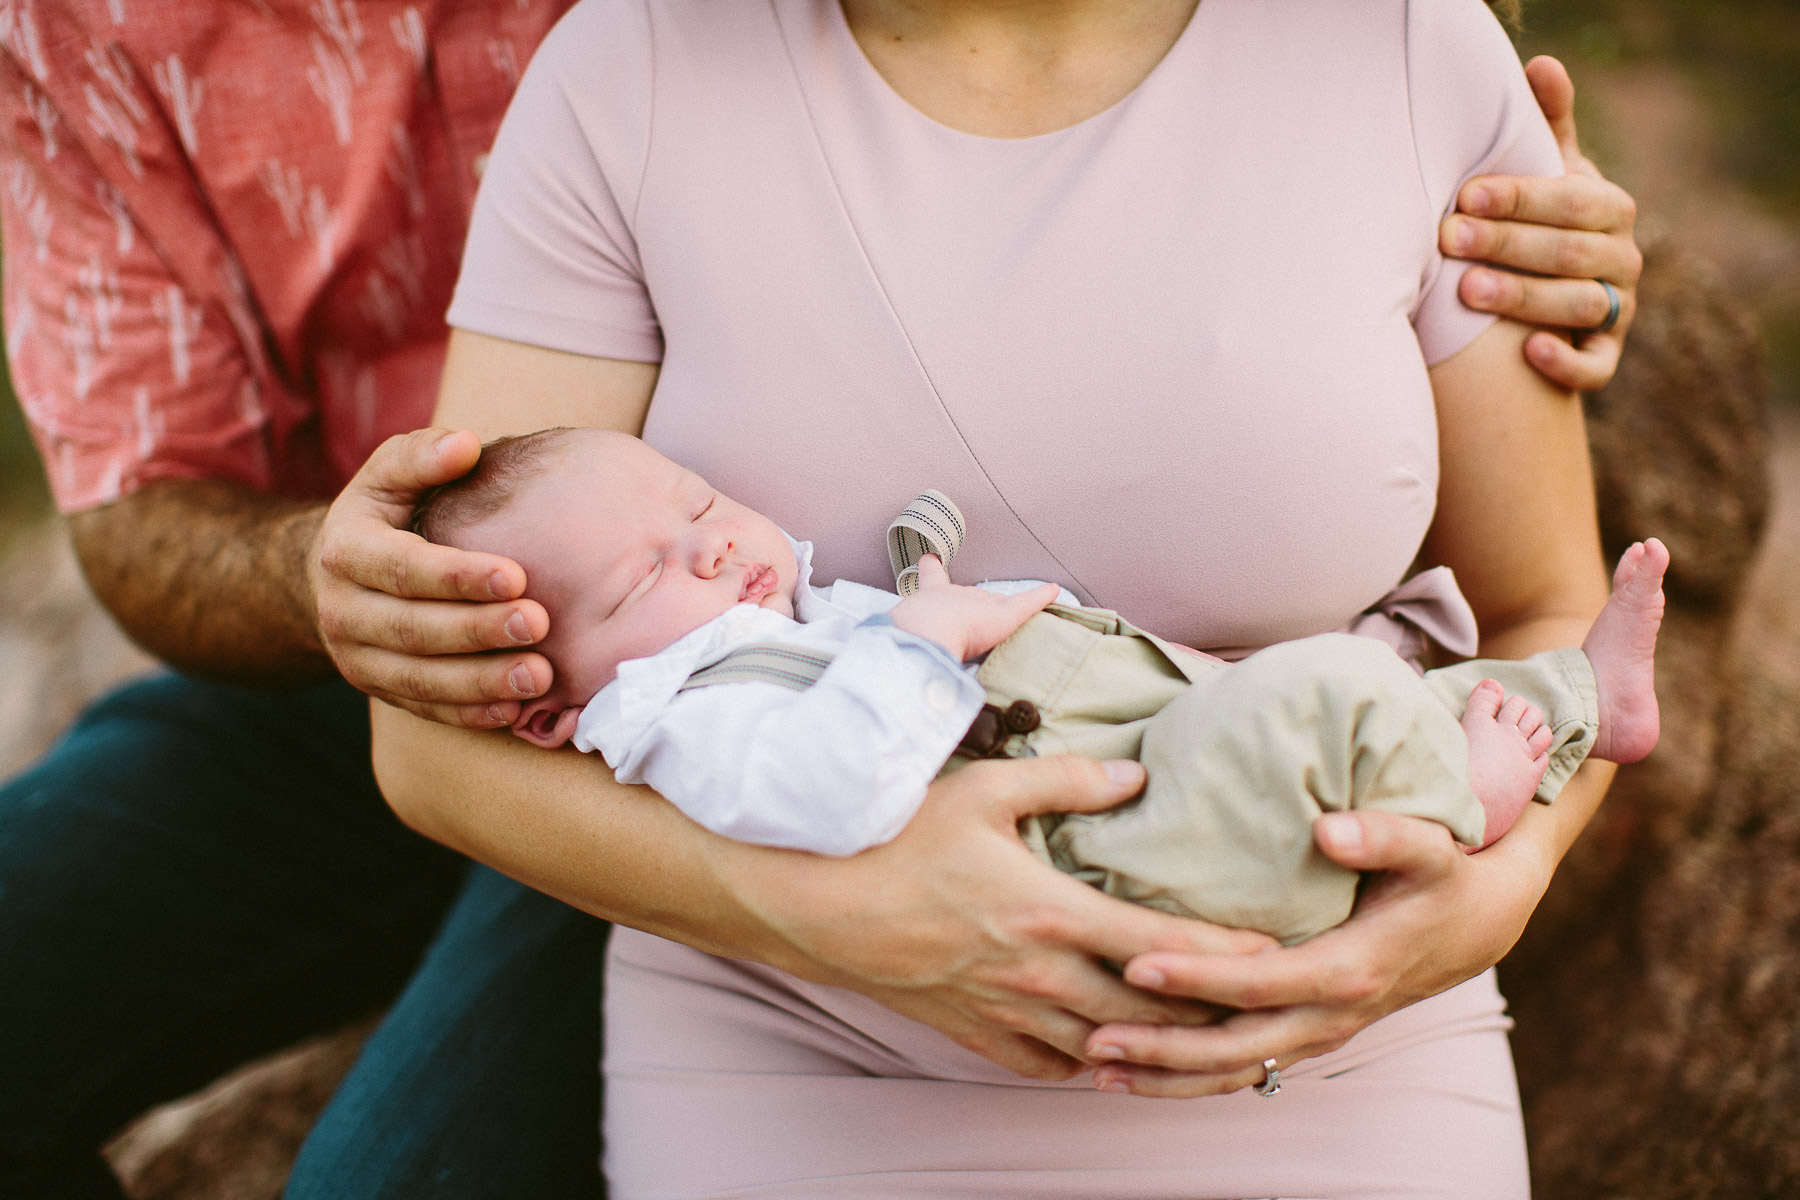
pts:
pixel 484 491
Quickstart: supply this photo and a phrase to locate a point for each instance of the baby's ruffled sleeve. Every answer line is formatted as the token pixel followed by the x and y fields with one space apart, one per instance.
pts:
pixel 552 259
pixel 1472 114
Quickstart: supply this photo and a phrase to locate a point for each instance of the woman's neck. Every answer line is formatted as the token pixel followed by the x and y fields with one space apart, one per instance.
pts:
pixel 1015 68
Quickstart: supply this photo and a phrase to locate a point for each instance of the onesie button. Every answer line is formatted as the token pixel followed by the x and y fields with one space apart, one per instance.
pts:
pixel 940 695
pixel 1021 717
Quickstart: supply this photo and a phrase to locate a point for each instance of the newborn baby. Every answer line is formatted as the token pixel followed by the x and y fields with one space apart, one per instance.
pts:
pixel 692 651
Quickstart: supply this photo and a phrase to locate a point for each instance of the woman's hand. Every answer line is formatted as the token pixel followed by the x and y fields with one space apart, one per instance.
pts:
pixel 1555 237
pixel 417 625
pixel 1428 918
pixel 957 925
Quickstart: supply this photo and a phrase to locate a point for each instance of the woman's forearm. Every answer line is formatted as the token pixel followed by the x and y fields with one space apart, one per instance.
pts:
pixel 558 822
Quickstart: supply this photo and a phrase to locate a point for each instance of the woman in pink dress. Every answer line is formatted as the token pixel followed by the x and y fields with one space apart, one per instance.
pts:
pixel 1067 262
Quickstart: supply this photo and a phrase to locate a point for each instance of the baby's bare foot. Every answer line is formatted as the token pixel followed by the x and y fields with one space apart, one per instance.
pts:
pixel 1509 748
pixel 1622 648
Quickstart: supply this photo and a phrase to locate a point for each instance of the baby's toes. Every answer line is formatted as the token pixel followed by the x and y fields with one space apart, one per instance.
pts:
pixel 1539 741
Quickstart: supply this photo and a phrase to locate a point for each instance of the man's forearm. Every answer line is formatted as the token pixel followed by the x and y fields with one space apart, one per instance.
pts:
pixel 209 577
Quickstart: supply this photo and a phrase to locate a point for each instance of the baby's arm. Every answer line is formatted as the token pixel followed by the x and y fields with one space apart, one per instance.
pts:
pixel 834 769
pixel 966 621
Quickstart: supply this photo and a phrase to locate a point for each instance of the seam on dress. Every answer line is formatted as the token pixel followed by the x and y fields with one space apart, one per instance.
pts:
pixel 887 300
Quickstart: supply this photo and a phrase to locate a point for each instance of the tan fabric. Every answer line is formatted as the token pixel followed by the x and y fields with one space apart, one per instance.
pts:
pixel 1243 757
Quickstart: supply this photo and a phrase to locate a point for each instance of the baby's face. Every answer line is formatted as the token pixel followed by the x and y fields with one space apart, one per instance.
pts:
pixel 628 552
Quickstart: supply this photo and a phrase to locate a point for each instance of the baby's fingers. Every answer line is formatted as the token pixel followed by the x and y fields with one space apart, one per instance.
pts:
pixel 932 573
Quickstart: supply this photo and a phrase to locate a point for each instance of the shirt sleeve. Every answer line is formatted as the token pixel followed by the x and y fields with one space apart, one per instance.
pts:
pixel 833 769
pixel 124 376
pixel 551 258
pixel 1472 114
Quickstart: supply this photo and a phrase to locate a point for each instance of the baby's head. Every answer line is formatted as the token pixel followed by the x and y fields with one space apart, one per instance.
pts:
pixel 627 551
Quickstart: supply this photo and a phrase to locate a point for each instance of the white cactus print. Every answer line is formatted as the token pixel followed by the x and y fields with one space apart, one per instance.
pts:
pixel 124 228
pixel 184 96
pixel 44 116
pixel 403 169
pixel 182 318
pixel 333 84
pixel 409 31
pixel 338 21
pixel 21 185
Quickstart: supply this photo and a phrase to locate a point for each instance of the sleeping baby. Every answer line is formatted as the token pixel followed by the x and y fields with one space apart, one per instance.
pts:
pixel 693 652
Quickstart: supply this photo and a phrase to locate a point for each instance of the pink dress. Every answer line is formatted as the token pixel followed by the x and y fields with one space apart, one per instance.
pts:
pixel 1173 357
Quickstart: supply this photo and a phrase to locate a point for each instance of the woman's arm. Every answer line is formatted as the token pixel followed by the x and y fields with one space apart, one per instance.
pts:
pixel 1516 522
pixel 953 923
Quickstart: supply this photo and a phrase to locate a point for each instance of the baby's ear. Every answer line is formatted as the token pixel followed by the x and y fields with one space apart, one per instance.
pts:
pixel 547 723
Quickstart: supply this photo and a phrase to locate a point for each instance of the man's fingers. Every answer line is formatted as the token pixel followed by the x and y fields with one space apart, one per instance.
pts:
pixel 408 463
pixel 406 565
pixel 1555 93
pixel 1586 368
pixel 462 716
pixel 439 626
pixel 1543 249
pixel 1574 304
pixel 461 680
pixel 1569 202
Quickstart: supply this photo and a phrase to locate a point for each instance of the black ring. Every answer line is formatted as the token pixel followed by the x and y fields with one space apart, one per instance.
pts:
pixel 1612 312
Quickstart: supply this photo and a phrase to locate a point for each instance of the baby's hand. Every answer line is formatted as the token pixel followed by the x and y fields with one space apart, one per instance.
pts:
pixel 966 621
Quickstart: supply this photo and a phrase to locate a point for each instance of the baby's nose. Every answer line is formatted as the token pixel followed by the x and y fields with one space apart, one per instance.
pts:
pixel 712 546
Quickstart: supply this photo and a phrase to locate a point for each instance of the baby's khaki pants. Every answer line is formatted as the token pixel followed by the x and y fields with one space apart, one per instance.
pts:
pixel 1242 757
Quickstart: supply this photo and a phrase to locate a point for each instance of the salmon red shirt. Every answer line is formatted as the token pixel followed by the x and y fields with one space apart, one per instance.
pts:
pixel 232 229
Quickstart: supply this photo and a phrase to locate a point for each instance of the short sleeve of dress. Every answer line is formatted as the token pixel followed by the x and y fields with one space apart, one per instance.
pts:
pixel 1472 114
pixel 552 259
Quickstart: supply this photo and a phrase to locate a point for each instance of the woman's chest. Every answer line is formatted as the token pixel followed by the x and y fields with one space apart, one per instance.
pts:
pixel 1163 358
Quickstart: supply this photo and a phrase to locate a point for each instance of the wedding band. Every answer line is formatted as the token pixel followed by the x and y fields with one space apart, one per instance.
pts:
pixel 1271 1079
pixel 1612 309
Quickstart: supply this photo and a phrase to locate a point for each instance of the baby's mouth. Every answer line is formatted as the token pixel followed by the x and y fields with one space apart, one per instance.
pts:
pixel 758 583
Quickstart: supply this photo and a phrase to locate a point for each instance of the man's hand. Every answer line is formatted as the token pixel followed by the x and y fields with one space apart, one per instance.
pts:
pixel 966 621
pixel 1555 237
pixel 395 611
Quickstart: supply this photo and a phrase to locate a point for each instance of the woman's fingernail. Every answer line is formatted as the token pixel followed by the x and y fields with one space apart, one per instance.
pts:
pixel 496 715
pixel 1145 977
pixel 518 628
pixel 1122 771
pixel 1478 200
pixel 1109 1051
pixel 1482 287
pixel 521 681
pixel 1111 1083
pixel 445 440
pixel 1463 240
pixel 497 585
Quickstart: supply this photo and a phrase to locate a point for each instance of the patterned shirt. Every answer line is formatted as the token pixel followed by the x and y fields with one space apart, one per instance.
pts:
pixel 232 228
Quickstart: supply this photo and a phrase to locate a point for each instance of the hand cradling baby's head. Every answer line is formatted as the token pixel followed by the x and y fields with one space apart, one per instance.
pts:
pixel 627 551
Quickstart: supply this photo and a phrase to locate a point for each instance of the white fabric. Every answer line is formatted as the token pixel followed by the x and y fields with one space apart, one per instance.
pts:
pixel 834 769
